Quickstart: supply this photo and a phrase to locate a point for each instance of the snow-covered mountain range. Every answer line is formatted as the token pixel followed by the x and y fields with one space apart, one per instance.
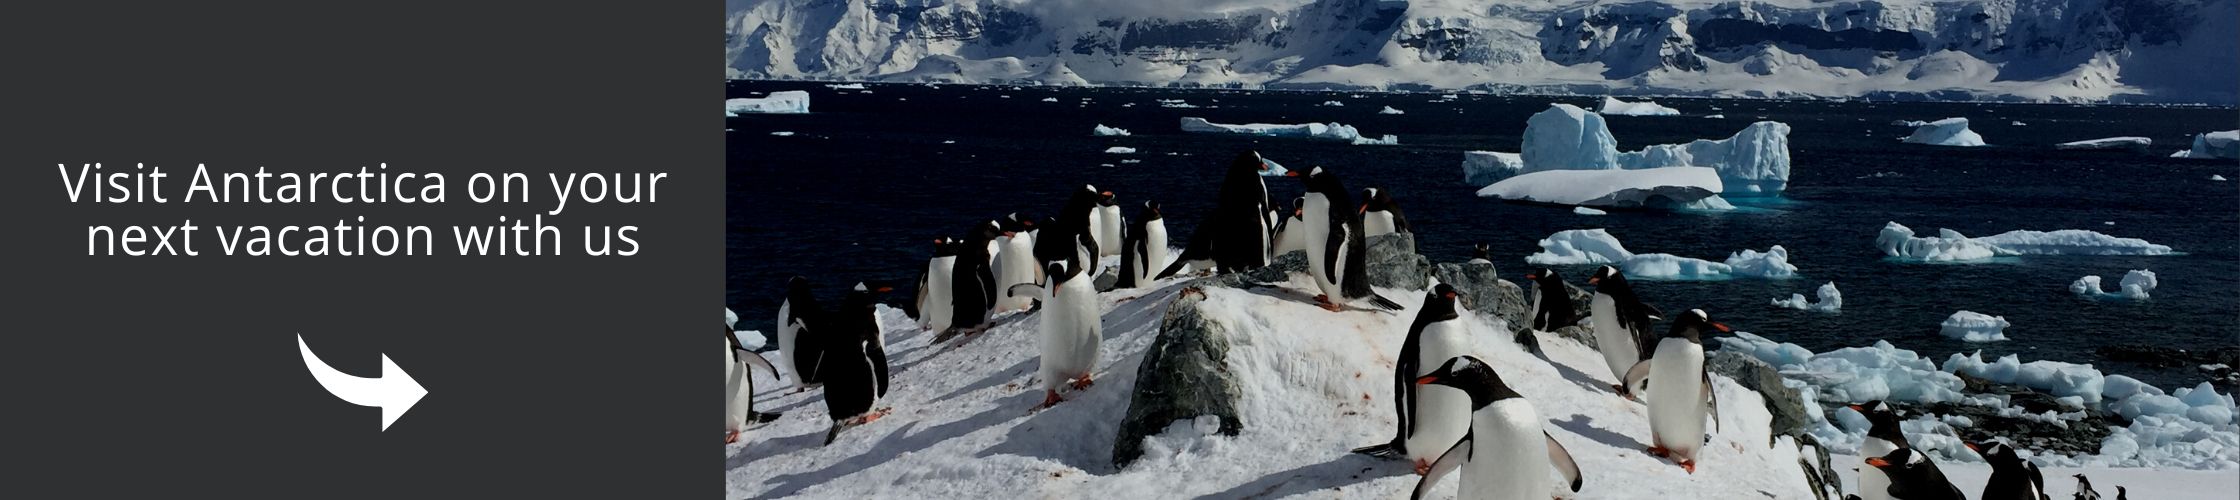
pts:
pixel 2033 50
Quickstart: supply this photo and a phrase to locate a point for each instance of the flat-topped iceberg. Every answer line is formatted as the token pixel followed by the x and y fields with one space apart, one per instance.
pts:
pixel 1120 150
pixel 1613 106
pixel 1950 246
pixel 2136 285
pixel 1334 104
pixel 1896 240
pixel 1946 132
pixel 1670 187
pixel 1831 300
pixel 2127 143
pixel 1326 131
pixel 1973 326
pixel 2214 145
pixel 1104 131
pixel 1480 168
pixel 1587 211
pixel 1597 246
pixel 781 103
pixel 1752 162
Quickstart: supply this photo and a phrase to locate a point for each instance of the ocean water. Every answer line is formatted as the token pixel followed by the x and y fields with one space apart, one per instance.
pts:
pixel 866 181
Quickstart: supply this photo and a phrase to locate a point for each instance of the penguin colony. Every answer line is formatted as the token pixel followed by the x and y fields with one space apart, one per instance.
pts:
pixel 1454 412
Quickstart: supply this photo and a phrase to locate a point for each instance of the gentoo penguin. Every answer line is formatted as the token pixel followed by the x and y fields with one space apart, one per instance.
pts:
pixel 1883 437
pixel 1235 236
pixel 1290 230
pixel 855 363
pixel 973 285
pixel 1143 248
pixel 937 286
pixel 1057 239
pixel 1682 391
pixel 1337 253
pixel 1914 477
pixel 1432 418
pixel 1499 457
pixel 1379 215
pixel 738 387
pixel 1621 324
pixel 1015 261
pixel 1482 254
pixel 2084 489
pixel 1072 330
pixel 799 347
pixel 2012 478
pixel 1108 226
pixel 1551 300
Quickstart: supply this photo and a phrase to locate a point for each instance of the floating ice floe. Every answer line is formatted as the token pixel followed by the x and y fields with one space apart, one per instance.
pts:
pixel 1597 246
pixel 1669 187
pixel 1715 116
pixel 1587 211
pixel 2018 123
pixel 2224 145
pixel 1897 240
pixel 2136 285
pixel 1946 132
pixel 750 339
pixel 1274 169
pixel 1104 131
pixel 1613 106
pixel 844 86
pixel 1831 300
pixel 1387 140
pixel 1752 162
pixel 781 102
pixel 1389 111
pixel 2130 143
pixel 1326 131
pixel 1049 99
pixel 1973 326
pixel 2215 177
pixel 1333 104
pixel 1480 168
pixel 1120 150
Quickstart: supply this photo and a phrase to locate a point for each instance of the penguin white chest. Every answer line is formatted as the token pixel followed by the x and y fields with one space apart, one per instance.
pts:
pixel 1676 403
pixel 938 308
pixel 1154 251
pixel 1509 459
pixel 1617 344
pixel 1108 230
pixel 1442 413
pixel 1378 223
pixel 1873 484
pixel 1071 332
pixel 787 337
pixel 1316 239
pixel 737 390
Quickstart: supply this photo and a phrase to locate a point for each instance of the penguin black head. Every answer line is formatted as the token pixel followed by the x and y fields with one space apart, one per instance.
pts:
pixel 946 247
pixel 1692 324
pixel 987 232
pixel 1483 251
pixel 1105 199
pixel 1058 274
pixel 1912 475
pixel 1606 273
pixel 1439 304
pixel 1997 454
pixel 1376 200
pixel 1150 211
pixel 1545 277
pixel 1473 376
pixel 1298 207
pixel 1248 163
pixel 862 297
pixel 1013 224
pixel 1882 421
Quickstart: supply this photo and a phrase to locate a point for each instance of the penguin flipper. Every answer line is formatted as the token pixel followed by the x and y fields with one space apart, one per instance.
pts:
pixel 1447 463
pixel 1711 399
pixel 1561 458
pixel 756 360
pixel 1333 251
pixel 1637 375
pixel 1024 289
pixel 878 356
pixel 987 286
pixel 1384 303
pixel 1386 450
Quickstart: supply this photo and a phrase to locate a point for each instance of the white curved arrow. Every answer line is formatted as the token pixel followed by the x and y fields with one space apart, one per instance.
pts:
pixel 394 392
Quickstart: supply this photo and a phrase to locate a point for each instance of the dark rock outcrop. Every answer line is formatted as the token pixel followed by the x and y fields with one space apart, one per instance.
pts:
pixel 1393 262
pixel 1183 376
pixel 1783 402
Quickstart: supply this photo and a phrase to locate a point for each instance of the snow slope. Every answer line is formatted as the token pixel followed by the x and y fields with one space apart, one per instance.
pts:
pixel 2028 50
pixel 1313 385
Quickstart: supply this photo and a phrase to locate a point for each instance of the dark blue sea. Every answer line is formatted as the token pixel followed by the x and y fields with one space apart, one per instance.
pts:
pixel 868 179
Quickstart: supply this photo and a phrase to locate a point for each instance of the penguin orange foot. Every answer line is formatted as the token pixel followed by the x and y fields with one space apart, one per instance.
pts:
pixel 1659 451
pixel 1688 465
pixel 730 437
pixel 1083 382
pixel 1423 467
pixel 1049 399
pixel 1324 301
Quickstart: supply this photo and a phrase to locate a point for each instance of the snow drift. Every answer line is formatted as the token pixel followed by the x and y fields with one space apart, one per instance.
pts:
pixel 781 102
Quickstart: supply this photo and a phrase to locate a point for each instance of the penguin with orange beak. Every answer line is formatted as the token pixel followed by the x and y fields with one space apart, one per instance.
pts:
pixel 1914 477
pixel 1682 394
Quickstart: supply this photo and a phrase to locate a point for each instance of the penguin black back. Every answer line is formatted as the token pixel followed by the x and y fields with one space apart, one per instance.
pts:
pixel 1055 241
pixel 1882 422
pixel 1234 235
pixel 808 351
pixel 1633 314
pixel 1134 247
pixel 1556 310
pixel 855 364
pixel 2012 478
pixel 972 282
pixel 1377 199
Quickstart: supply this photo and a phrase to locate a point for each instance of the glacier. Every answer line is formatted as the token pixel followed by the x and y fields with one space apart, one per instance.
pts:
pixel 2213 145
pixel 782 102
pixel 1831 300
pixel 1752 162
pixel 1971 326
pixel 1613 106
pixel 2137 284
pixel 2012 50
pixel 1946 132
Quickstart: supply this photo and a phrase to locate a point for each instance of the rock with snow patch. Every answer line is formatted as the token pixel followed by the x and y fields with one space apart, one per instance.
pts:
pixel 1183 376
pixel 1787 407
pixel 1393 262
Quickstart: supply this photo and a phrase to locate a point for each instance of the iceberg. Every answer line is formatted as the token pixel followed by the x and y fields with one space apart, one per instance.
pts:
pixel 1480 168
pixel 1326 131
pixel 1669 187
pixel 1665 266
pixel 2136 285
pixel 2218 178
pixel 1579 246
pixel 753 340
pixel 1104 131
pixel 1973 326
pixel 2224 145
pixel 2055 377
pixel 844 86
pixel 1948 246
pixel 1587 211
pixel 1754 161
pixel 1597 246
pixel 1946 132
pixel 1389 111
pixel 2071 242
pixel 1120 150
pixel 782 133
pixel 781 102
pixel 1772 263
pixel 1613 106
pixel 1049 99
pixel 1831 300
pixel 1333 104
pixel 1387 140
pixel 2130 143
